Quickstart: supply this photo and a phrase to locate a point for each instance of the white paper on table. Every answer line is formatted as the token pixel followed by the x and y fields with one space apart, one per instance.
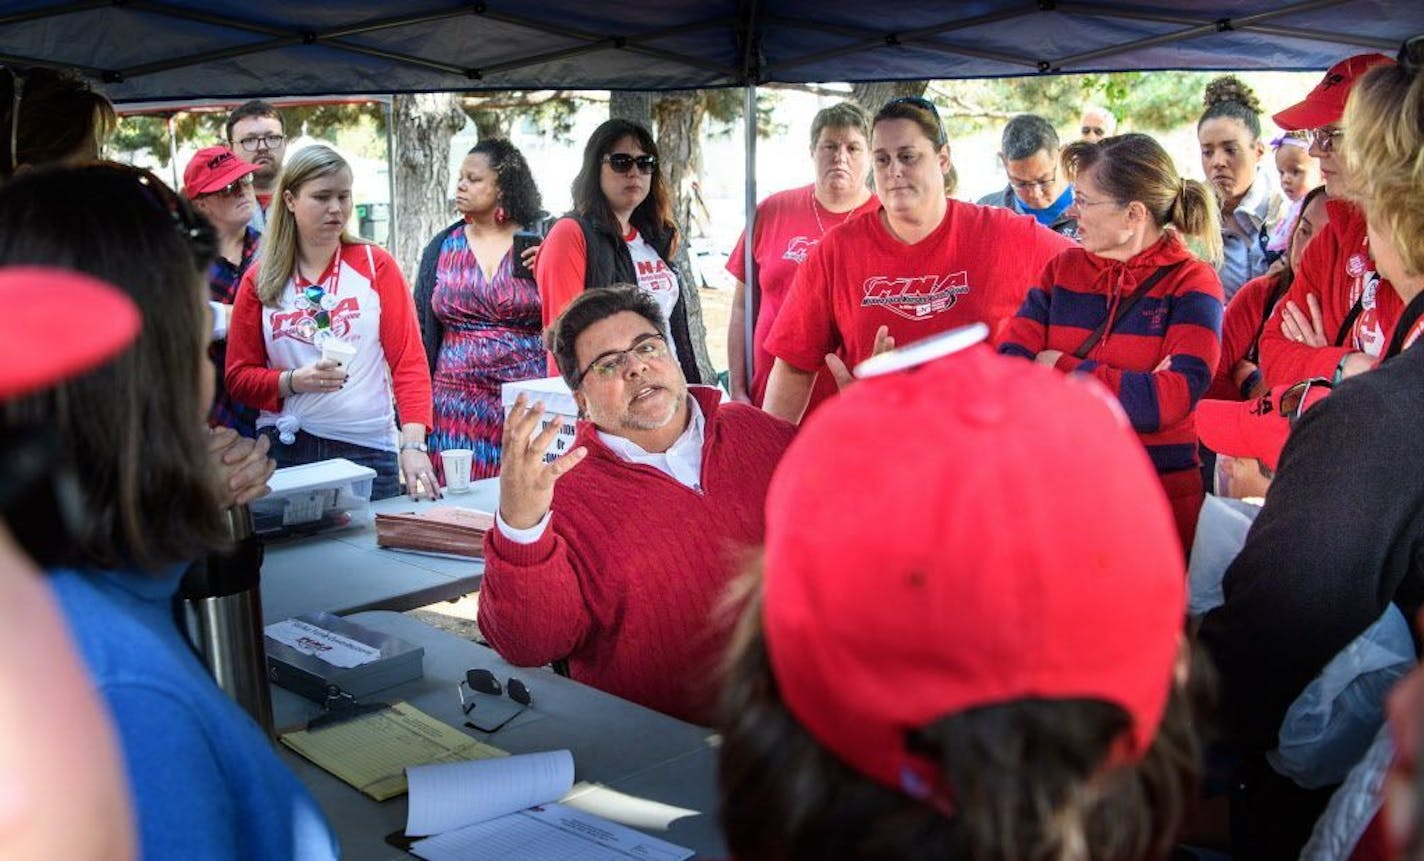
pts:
pixel 318 642
pixel 451 795
pixel 551 832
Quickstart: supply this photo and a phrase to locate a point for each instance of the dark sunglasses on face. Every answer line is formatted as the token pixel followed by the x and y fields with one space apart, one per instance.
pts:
pixel 232 189
pixel 622 162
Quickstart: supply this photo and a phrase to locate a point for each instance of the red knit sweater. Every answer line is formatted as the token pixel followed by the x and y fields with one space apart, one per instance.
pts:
pixel 627 580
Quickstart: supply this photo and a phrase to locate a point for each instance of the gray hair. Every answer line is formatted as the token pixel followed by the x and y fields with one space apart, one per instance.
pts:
pixel 846 115
pixel 1027 134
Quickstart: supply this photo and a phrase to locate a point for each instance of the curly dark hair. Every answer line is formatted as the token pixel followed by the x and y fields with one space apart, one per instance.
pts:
pixel 518 193
pixel 1229 96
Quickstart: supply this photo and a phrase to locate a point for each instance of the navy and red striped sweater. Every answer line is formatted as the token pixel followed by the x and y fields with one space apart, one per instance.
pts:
pixel 1179 320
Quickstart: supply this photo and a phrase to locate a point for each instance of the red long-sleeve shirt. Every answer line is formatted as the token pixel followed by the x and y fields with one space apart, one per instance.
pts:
pixel 1243 318
pixel 1336 268
pixel 627 580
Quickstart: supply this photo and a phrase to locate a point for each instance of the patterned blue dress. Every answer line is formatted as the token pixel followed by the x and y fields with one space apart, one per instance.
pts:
pixel 492 336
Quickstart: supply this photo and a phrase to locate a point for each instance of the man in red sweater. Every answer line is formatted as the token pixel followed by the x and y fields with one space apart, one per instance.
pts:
pixel 617 555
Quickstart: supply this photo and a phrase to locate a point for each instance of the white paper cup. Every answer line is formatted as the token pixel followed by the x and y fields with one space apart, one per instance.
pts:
pixel 338 351
pixel 457 463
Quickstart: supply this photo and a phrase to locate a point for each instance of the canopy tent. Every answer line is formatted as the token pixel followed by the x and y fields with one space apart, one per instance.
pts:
pixel 191 49
pixel 186 50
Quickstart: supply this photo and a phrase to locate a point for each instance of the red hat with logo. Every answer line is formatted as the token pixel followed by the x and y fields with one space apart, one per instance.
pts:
pixel 1257 428
pixel 969 532
pixel 58 324
pixel 1326 103
pixel 211 169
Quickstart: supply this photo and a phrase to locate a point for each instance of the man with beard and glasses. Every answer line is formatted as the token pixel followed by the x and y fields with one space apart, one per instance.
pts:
pixel 255 133
pixel 616 556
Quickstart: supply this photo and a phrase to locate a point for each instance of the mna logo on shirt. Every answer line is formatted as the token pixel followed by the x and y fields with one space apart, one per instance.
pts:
pixel 798 248
pixel 915 298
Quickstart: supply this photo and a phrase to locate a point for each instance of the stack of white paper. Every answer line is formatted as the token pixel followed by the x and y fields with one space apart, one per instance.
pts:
pixel 503 808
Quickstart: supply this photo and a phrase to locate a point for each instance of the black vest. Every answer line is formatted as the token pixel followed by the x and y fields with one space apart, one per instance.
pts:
pixel 609 262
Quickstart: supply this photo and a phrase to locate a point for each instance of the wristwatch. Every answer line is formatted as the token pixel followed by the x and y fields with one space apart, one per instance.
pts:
pixel 418 446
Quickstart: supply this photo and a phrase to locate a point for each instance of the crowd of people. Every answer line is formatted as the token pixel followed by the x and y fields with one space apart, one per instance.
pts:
pixel 1049 526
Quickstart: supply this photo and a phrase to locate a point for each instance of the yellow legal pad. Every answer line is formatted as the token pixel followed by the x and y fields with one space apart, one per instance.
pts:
pixel 372 752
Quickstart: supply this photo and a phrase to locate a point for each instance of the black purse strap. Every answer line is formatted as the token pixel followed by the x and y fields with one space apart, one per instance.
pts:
pixel 1107 325
pixel 1412 312
pixel 1349 321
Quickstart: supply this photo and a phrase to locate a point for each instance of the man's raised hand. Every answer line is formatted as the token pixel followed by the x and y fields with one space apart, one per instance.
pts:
pixel 526 483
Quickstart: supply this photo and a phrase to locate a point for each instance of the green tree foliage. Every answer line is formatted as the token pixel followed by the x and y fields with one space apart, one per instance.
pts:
pixel 1142 101
pixel 147 134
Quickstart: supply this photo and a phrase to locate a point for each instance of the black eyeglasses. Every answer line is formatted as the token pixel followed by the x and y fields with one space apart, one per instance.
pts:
pixel 923 104
pixel 253 143
pixel 483 681
pixel 1031 184
pixel 622 162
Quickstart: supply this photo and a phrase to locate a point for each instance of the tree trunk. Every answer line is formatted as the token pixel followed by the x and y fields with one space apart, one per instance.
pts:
pixel 679 118
pixel 421 128
pixel 492 125
pixel 873 96
pixel 631 105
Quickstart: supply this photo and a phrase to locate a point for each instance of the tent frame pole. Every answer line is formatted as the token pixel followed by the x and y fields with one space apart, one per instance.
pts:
pixel 751 294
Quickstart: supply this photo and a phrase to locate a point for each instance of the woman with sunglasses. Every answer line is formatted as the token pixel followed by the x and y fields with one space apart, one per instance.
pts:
pixel 1132 307
pixel 323 330
pixel 219 185
pixel 921 265
pixel 621 231
pixel 1341 536
pixel 1339 313
pixel 204 778
pixel 479 317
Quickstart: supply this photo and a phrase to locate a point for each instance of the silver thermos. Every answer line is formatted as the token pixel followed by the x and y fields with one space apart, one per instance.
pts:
pixel 222 610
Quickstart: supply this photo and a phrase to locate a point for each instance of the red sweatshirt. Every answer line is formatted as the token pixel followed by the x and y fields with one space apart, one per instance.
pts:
pixel 1337 268
pixel 627 581
pixel 1245 314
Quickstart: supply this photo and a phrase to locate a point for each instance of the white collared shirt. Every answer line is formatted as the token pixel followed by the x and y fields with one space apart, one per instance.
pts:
pixel 682 462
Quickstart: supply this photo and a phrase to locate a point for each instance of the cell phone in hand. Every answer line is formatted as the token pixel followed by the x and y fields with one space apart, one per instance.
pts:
pixel 524 240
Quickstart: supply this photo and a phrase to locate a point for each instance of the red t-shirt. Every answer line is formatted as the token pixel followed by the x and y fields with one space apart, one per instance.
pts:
pixel 975 267
pixel 788 225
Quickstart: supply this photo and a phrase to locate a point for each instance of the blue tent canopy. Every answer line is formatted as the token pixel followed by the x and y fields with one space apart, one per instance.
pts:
pixel 188 49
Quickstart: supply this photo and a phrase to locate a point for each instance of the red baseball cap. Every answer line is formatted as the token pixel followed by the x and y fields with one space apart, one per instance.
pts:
pixel 58 324
pixel 970 532
pixel 211 169
pixel 1257 428
pixel 1326 103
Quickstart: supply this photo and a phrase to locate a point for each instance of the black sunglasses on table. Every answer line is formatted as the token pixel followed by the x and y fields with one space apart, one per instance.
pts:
pixel 484 681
